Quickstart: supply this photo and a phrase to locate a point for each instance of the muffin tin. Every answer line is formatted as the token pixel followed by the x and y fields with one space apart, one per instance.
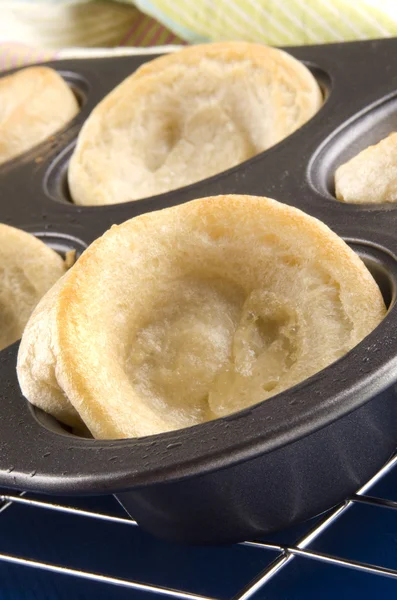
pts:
pixel 278 462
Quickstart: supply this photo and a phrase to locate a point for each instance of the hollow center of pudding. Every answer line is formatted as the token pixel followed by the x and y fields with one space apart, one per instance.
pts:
pixel 210 136
pixel 202 121
pixel 211 349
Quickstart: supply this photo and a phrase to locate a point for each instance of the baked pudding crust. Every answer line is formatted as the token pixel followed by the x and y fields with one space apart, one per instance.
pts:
pixel 28 269
pixel 193 312
pixel 35 103
pixel 370 176
pixel 186 116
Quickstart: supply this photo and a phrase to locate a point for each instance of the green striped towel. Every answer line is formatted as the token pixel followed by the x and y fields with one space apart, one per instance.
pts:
pixel 276 22
pixel 35 30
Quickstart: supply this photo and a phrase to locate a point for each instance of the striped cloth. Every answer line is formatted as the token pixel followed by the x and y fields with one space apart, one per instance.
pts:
pixel 276 22
pixel 38 30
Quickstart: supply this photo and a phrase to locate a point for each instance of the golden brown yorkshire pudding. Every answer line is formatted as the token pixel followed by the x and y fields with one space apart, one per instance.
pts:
pixel 190 313
pixel 371 175
pixel 28 268
pixel 34 103
pixel 189 115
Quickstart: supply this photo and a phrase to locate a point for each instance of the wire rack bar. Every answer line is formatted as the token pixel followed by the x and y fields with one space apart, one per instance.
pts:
pixel 378 476
pixel 341 562
pixel 288 553
pixel 285 554
pixel 256 584
pixel 373 501
pixel 133 585
pixel 4 506
pixel 7 503
pixel 8 498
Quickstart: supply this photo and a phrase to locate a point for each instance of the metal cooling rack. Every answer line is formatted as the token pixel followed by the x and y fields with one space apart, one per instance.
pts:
pixel 60 548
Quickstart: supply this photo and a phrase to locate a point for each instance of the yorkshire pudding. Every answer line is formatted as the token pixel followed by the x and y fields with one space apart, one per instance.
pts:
pixel 192 312
pixel 28 269
pixel 371 175
pixel 34 103
pixel 186 116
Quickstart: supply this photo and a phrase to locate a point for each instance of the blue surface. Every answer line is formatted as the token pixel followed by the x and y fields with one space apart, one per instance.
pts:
pixel 310 580
pixel 117 550
pixel 363 533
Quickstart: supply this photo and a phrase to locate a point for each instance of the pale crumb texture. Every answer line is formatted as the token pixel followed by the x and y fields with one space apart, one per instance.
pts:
pixel 187 314
pixel 186 116
pixel 28 268
pixel 370 176
pixel 34 104
pixel 70 258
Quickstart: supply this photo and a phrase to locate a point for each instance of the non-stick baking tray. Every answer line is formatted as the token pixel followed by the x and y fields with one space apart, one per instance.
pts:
pixel 310 446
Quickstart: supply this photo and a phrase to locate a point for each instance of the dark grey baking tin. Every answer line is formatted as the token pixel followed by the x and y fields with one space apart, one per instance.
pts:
pixel 278 462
